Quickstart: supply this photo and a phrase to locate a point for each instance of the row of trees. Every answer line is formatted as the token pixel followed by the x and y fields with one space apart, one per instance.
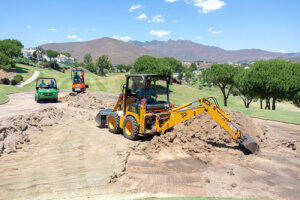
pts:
pixel 264 80
pixel 99 67
pixel 102 65
pixel 165 66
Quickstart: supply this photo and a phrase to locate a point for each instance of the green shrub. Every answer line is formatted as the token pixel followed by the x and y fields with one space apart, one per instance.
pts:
pixel 45 64
pixel 18 78
pixel 5 81
pixel 14 82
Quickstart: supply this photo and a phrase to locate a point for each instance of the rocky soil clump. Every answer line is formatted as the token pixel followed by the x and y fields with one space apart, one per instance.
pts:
pixel 87 101
pixel 15 131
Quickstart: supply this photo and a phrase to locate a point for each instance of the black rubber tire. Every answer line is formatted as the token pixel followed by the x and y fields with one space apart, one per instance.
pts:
pixel 115 127
pixel 134 128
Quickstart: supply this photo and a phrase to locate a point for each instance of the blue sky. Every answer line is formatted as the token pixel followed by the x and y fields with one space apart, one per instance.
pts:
pixel 271 25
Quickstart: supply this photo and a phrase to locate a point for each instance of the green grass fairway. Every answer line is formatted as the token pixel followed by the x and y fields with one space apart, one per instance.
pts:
pixel 24 70
pixel 8 89
pixel 285 111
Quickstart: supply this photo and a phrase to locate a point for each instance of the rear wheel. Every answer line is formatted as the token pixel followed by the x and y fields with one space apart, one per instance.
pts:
pixel 130 128
pixel 114 123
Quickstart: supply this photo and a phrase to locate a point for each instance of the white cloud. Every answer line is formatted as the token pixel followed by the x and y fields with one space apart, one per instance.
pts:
pixel 160 33
pixel 216 32
pixel 124 38
pixel 72 37
pixel 198 37
pixel 281 51
pixel 44 40
pixel 134 7
pixel 27 26
pixel 142 16
pixel 210 29
pixel 79 39
pixel 170 1
pixel 175 21
pixel 157 19
pixel 207 6
pixel 52 29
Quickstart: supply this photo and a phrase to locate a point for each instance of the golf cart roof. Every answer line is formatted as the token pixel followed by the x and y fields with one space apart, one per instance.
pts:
pixel 45 78
pixel 74 70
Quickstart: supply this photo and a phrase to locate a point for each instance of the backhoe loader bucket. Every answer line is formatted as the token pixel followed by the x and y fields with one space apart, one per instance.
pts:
pixel 249 143
pixel 101 116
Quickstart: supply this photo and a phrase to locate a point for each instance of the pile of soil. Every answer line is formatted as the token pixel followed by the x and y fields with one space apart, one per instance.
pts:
pixel 86 101
pixel 202 134
pixel 15 131
pixel 5 74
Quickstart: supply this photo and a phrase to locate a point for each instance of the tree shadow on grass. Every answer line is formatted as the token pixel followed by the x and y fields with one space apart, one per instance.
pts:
pixel 19 70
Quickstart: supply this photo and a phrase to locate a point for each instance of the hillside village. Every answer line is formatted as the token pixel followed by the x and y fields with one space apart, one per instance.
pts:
pixel 29 53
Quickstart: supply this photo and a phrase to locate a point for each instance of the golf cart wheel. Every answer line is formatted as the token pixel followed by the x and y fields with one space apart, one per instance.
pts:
pixel 130 128
pixel 55 100
pixel 114 123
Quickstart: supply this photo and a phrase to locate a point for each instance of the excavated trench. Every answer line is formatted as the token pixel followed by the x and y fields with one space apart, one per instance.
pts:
pixel 196 158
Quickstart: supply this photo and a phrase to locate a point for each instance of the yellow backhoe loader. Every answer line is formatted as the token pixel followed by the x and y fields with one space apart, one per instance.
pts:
pixel 136 113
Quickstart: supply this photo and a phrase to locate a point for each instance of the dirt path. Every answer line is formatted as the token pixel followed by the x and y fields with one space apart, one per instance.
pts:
pixel 32 78
pixel 60 153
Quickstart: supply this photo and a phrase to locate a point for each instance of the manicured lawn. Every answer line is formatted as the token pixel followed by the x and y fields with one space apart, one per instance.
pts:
pixel 285 111
pixel 24 70
pixel 8 89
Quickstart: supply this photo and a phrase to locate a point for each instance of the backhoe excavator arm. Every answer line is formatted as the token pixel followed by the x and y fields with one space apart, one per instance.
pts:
pixel 177 116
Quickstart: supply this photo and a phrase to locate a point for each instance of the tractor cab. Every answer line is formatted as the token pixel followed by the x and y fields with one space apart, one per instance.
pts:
pixel 143 94
pixel 149 89
pixel 78 83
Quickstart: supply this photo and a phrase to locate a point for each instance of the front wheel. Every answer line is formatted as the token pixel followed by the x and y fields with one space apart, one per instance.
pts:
pixel 37 100
pixel 130 128
pixel 114 123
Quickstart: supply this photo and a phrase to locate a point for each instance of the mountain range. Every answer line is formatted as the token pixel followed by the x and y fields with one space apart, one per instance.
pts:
pixel 120 52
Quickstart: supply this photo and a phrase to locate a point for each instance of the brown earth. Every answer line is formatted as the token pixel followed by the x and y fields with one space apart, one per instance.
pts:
pixel 56 150
pixel 5 74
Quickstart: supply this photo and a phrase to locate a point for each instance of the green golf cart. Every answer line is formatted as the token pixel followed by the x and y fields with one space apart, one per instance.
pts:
pixel 46 91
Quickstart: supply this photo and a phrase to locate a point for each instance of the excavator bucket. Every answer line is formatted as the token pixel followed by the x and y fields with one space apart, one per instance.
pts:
pixel 249 143
pixel 101 116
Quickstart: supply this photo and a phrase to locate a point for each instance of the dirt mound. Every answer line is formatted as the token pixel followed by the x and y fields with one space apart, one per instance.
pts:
pixel 5 74
pixel 87 101
pixel 14 131
pixel 202 134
